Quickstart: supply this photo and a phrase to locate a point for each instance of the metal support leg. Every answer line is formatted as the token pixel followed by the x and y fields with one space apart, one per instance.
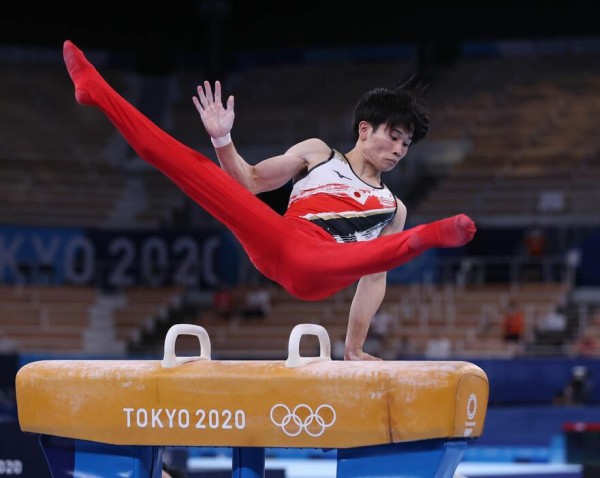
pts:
pixel 420 459
pixel 248 462
pixel 68 458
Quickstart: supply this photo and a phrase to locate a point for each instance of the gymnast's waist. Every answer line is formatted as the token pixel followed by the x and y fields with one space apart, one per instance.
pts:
pixel 309 228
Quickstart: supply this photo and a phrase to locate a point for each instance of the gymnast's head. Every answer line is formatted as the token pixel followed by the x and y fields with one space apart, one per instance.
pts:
pixel 391 108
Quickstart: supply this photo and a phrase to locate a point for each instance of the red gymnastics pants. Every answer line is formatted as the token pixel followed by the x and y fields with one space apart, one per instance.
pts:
pixel 304 259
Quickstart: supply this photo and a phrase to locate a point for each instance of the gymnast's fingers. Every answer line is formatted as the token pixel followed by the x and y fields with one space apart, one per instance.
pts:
pixel 202 97
pixel 230 103
pixel 217 91
pixel 209 94
pixel 197 104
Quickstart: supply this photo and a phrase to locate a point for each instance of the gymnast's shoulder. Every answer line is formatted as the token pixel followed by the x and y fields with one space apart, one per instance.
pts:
pixel 313 150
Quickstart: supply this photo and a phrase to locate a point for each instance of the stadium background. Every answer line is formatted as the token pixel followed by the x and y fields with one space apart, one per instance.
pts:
pixel 514 143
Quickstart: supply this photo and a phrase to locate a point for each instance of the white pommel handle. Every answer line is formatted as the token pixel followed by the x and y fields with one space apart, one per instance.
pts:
pixel 171 360
pixel 294 359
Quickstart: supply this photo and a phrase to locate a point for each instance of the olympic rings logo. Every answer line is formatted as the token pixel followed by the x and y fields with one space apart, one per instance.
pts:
pixel 302 418
pixel 472 406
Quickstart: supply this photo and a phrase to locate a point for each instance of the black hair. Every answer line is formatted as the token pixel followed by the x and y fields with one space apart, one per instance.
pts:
pixel 398 106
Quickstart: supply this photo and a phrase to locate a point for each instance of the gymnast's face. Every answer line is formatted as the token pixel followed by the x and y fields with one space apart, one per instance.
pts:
pixel 385 146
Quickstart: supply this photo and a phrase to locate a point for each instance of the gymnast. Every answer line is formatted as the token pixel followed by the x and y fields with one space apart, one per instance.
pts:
pixel 342 224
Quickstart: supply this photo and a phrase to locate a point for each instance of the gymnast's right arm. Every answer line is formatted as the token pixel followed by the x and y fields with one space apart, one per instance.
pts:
pixel 268 174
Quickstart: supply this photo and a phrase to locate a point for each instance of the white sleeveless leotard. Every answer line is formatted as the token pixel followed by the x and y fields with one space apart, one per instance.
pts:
pixel 333 197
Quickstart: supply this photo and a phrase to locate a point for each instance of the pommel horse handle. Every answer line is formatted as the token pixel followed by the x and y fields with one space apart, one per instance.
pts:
pixel 294 359
pixel 170 359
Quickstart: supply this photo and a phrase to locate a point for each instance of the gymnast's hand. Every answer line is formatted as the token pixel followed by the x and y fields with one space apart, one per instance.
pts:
pixel 217 120
pixel 358 355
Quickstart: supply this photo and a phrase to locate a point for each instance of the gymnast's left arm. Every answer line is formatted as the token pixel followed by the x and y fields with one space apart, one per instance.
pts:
pixel 368 297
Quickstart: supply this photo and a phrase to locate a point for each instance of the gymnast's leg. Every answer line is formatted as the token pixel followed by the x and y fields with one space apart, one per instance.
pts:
pixel 316 272
pixel 256 225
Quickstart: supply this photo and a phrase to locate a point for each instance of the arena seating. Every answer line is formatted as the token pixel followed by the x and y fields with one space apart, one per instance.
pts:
pixel 469 316
pixel 532 155
pixel 62 164
pixel 143 308
pixel 531 151
pixel 518 115
pixel 55 320
pixel 45 319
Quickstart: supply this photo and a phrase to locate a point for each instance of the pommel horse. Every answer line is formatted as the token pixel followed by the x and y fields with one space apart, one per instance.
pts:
pixel 112 418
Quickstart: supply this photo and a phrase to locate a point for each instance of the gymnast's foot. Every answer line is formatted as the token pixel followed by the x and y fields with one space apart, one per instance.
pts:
pixel 82 72
pixel 453 231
